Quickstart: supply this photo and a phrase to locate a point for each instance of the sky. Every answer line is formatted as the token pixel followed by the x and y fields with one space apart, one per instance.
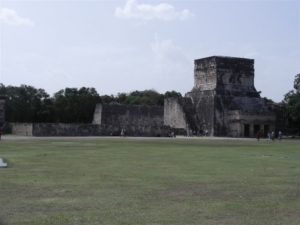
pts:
pixel 126 45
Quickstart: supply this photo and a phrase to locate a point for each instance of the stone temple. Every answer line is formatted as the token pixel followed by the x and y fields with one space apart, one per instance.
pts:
pixel 223 102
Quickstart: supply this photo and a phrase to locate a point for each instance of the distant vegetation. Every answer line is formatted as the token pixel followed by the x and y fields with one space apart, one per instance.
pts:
pixel 292 106
pixel 70 105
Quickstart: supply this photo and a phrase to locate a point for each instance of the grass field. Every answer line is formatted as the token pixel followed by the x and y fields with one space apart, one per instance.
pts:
pixel 149 181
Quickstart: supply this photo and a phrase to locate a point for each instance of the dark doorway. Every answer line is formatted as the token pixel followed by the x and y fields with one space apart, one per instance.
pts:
pixel 256 129
pixel 266 130
pixel 246 130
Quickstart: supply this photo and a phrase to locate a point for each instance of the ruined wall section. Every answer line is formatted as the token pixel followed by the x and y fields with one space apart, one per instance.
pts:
pixel 236 121
pixel 252 111
pixel 235 76
pixel 190 113
pixel 65 129
pixel 97 114
pixel 180 114
pixel 204 103
pixel 205 74
pixel 110 119
pixel 174 116
pixel 137 120
pixel 23 129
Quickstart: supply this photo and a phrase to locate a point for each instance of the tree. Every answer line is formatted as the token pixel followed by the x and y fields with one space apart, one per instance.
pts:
pixel 74 105
pixel 292 101
pixel 170 94
pixel 106 99
pixel 297 83
pixel 26 103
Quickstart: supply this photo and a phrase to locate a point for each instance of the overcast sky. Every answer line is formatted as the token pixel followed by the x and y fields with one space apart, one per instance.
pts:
pixel 125 45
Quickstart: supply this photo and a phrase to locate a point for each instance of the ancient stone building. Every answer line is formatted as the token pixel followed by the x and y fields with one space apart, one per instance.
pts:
pixel 225 100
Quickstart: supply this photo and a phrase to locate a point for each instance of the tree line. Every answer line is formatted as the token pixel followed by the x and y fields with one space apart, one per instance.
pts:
pixel 26 103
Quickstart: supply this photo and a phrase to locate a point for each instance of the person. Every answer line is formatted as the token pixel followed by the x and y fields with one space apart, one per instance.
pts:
pixel 269 136
pixel 273 135
pixel 279 135
pixel 206 132
pixel 173 134
pixel 122 133
pixel 258 135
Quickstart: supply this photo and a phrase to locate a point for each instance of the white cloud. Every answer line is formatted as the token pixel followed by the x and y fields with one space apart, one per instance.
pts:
pixel 162 11
pixel 11 17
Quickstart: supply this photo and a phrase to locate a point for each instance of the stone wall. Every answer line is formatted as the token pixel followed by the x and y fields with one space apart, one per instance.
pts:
pixel 235 75
pixel 252 111
pixel 54 129
pixel 174 115
pixel 109 120
pixel 237 120
pixel 23 129
pixel 65 129
pixel 205 74
pixel 204 106
pixel 97 114
pixel 136 120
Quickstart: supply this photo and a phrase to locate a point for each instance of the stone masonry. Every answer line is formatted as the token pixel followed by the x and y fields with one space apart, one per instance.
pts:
pixel 223 102
pixel 225 99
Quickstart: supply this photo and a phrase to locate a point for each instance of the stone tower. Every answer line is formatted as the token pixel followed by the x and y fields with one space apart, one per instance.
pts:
pixel 224 74
pixel 225 99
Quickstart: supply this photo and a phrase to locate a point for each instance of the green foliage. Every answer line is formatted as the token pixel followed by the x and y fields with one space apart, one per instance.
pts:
pixel 75 105
pixel 292 102
pixel 106 99
pixel 26 104
pixel 297 83
pixel 146 97
pixel 170 94
pixel 70 105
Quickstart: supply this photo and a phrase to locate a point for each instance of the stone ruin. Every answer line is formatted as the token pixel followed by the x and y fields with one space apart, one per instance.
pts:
pixel 223 102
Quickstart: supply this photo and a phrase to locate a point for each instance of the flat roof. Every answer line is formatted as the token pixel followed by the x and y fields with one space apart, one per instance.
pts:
pixel 223 57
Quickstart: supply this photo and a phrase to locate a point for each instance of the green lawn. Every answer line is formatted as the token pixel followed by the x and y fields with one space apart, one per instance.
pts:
pixel 153 182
